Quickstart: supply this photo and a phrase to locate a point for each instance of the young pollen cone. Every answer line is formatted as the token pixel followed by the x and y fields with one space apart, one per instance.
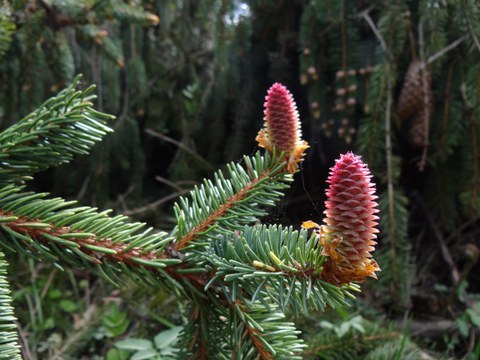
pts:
pixel 282 126
pixel 348 236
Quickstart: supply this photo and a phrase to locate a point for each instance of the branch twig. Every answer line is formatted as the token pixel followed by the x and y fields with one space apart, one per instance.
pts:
pixel 365 14
pixel 443 246
pixel 181 146
pixel 443 51
pixel 216 214
pixel 426 100
pixel 252 333
pixel 155 204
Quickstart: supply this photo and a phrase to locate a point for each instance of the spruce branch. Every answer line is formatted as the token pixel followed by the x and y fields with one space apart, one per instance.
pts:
pixel 262 334
pixel 132 14
pixel 7 29
pixel 9 348
pixel 284 268
pixel 227 204
pixel 239 279
pixel 56 19
pixel 63 126
pixel 80 236
pixel 205 336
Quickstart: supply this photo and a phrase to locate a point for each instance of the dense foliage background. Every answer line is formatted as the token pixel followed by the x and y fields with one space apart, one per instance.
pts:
pixel 396 81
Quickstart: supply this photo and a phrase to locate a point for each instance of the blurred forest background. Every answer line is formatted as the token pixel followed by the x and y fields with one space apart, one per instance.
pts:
pixel 397 82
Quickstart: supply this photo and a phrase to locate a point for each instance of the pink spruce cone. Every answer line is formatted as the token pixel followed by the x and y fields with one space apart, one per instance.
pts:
pixel 350 231
pixel 282 126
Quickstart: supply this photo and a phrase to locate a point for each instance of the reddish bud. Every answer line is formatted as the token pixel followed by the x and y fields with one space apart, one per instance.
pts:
pixel 282 126
pixel 348 238
pixel 281 118
pixel 350 218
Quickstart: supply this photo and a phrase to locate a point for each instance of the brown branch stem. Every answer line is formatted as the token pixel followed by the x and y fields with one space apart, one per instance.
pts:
pixel 118 250
pixel 215 215
pixel 253 334
pixel 378 34
pixel 201 352
pixel 443 51
pixel 426 100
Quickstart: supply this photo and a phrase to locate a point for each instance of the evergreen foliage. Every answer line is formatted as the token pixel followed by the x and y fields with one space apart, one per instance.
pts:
pixel 9 348
pixel 7 29
pixel 238 279
pixel 195 73
pixel 62 127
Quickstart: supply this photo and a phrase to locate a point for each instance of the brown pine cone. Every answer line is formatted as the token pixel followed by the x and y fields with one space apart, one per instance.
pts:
pixel 417 133
pixel 411 100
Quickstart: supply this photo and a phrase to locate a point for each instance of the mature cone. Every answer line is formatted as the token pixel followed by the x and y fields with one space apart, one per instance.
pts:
pixel 350 231
pixel 418 133
pixel 411 100
pixel 282 126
